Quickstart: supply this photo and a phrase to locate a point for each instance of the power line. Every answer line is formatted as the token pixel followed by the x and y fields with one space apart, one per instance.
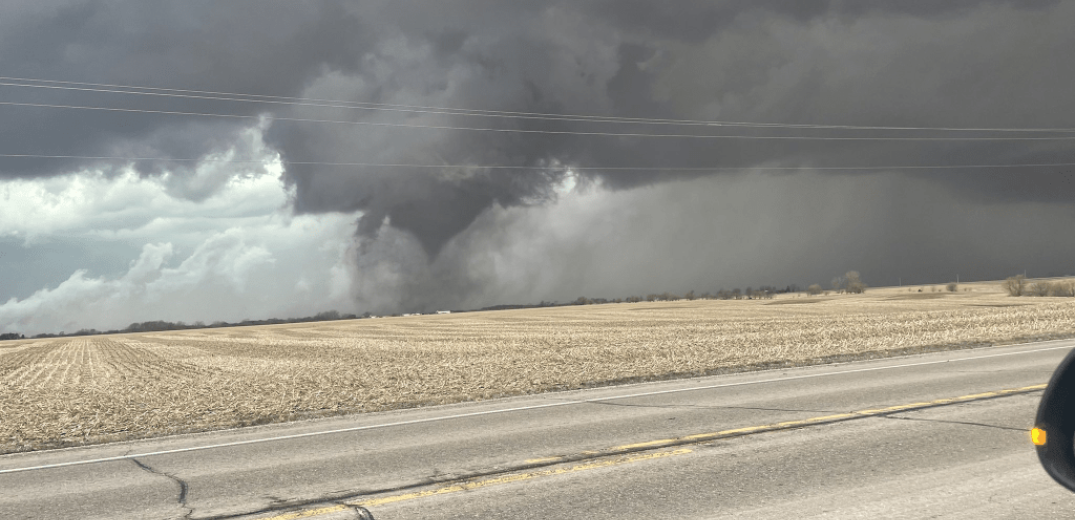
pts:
pixel 329 103
pixel 561 167
pixel 531 131
pixel 423 110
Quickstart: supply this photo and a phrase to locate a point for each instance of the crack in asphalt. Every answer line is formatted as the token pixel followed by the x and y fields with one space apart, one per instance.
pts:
pixel 361 513
pixel 338 498
pixel 183 488
pixel 965 423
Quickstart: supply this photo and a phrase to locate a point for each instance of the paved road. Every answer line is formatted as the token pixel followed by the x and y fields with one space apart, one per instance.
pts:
pixel 937 435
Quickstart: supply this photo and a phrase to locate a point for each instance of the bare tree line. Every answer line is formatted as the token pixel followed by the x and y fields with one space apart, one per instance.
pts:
pixel 764 292
pixel 160 325
pixel 850 283
pixel 1019 286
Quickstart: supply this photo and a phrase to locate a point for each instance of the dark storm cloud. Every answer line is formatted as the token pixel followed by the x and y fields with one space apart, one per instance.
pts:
pixel 249 47
pixel 730 61
pixel 913 63
pixel 697 21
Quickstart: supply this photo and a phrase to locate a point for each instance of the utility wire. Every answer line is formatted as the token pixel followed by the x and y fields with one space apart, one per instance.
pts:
pixel 423 110
pixel 529 131
pixel 329 103
pixel 559 167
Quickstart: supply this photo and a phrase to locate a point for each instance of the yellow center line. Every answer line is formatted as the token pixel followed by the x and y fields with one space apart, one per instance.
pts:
pixel 310 512
pixel 647 444
pixel 656 444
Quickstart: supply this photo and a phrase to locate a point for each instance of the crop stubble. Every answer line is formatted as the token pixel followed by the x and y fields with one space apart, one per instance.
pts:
pixel 70 391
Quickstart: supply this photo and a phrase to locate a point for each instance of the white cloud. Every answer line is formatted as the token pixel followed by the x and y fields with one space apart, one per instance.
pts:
pixel 275 269
pixel 235 253
pixel 223 190
pixel 91 205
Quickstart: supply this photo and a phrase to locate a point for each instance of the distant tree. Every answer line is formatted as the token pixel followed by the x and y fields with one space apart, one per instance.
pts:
pixel 689 295
pixel 853 283
pixel 706 296
pixel 813 290
pixel 582 300
pixel 1063 289
pixel 1039 289
pixel 1015 285
pixel 11 335
pixel 952 287
pixel 737 294
pixel 651 297
pixel 151 326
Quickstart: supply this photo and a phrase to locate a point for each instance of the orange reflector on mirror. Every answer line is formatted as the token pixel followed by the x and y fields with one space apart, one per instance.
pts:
pixel 1037 436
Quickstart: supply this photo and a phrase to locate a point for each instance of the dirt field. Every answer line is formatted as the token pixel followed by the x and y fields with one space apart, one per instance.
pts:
pixel 69 391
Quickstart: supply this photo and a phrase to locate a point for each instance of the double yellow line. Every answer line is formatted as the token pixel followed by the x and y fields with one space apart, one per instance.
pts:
pixel 626 453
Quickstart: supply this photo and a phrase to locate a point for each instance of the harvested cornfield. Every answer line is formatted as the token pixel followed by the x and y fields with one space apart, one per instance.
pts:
pixel 69 391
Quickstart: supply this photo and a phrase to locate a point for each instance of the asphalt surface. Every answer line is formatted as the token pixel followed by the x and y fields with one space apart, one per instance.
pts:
pixel 928 436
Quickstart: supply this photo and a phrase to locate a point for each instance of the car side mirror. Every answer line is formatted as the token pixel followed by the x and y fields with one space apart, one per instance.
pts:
pixel 1054 429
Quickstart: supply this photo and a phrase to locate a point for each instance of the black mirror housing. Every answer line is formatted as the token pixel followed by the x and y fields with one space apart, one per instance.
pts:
pixel 1056 416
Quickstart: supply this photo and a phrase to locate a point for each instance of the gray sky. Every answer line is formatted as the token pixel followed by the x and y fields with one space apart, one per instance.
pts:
pixel 220 219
